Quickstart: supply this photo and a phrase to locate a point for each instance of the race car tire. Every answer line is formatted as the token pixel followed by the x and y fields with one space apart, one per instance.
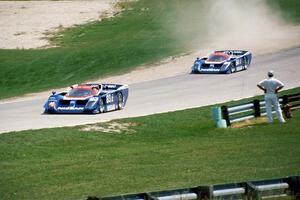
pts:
pixel 101 106
pixel 246 64
pixel 231 69
pixel 49 112
pixel 120 100
pixel 228 70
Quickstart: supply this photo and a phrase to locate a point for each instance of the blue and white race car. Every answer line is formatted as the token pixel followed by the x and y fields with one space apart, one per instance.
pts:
pixel 88 98
pixel 225 61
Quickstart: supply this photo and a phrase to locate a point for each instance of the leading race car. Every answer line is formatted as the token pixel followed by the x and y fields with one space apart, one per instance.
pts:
pixel 225 61
pixel 88 98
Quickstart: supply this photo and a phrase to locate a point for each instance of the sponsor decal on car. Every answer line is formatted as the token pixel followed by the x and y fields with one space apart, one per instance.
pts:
pixel 239 68
pixel 110 86
pixel 210 70
pixel 111 107
pixel 70 108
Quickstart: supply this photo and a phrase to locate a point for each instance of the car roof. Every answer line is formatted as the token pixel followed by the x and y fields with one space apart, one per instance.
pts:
pixel 82 87
pixel 219 54
pixel 85 86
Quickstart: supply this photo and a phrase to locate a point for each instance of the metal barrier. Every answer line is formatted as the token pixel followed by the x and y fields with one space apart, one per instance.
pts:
pixel 257 108
pixel 293 99
pixel 224 191
pixel 251 190
pixel 179 194
pixel 269 189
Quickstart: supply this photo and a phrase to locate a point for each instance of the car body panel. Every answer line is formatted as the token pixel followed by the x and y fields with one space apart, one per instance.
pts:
pixel 87 98
pixel 224 61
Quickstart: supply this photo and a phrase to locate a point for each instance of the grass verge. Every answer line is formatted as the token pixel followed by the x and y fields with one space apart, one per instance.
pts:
pixel 290 9
pixel 137 36
pixel 163 151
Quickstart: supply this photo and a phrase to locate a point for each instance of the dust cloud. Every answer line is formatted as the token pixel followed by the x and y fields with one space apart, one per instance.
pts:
pixel 207 25
pixel 235 24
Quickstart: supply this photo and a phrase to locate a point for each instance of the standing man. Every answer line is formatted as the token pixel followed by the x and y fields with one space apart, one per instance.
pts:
pixel 271 86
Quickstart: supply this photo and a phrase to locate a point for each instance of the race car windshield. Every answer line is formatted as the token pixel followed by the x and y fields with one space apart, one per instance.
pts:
pixel 217 58
pixel 80 92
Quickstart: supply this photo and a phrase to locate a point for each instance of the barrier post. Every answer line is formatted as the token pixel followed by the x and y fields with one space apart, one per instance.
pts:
pixel 256 107
pixel 285 100
pixel 294 182
pixel 217 116
pixel 216 113
pixel 225 115
pixel 206 192
pixel 286 107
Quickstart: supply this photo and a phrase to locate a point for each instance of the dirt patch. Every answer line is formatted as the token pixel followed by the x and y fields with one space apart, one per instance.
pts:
pixel 111 127
pixel 27 24
pixel 250 123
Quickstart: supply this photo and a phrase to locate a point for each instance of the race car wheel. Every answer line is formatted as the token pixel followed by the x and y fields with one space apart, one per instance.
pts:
pixel 246 64
pixel 120 101
pixel 101 106
pixel 231 69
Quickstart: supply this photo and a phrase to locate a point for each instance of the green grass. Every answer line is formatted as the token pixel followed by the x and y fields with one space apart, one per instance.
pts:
pixel 141 34
pixel 172 150
pixel 289 9
pixel 145 32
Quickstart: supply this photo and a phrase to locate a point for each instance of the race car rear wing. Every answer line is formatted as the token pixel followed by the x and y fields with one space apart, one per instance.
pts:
pixel 111 86
pixel 106 86
pixel 233 52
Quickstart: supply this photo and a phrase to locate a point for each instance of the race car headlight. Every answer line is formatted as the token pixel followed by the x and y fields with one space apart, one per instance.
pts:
pixel 225 65
pixel 51 104
pixel 92 102
pixel 94 99
pixel 195 66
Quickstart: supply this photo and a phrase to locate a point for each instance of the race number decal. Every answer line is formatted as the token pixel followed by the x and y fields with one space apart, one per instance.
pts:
pixel 238 61
pixel 109 98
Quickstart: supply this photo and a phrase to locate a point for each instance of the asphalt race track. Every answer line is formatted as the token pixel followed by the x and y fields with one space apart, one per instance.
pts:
pixel 163 95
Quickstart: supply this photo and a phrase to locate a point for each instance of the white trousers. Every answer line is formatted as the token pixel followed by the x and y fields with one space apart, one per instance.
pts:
pixel 272 99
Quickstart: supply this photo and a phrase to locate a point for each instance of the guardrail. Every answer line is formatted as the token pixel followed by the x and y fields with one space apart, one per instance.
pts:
pixel 257 108
pixel 250 190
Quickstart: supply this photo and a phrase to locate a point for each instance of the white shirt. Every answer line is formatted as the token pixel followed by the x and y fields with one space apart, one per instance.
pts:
pixel 270 84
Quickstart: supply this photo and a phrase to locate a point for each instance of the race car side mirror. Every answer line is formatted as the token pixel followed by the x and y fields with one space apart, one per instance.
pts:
pixel 53 92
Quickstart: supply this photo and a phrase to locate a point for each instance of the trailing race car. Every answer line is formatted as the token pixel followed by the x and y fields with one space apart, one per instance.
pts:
pixel 226 61
pixel 88 98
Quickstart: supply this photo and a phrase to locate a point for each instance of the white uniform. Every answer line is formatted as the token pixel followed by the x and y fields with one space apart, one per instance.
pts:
pixel 271 84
